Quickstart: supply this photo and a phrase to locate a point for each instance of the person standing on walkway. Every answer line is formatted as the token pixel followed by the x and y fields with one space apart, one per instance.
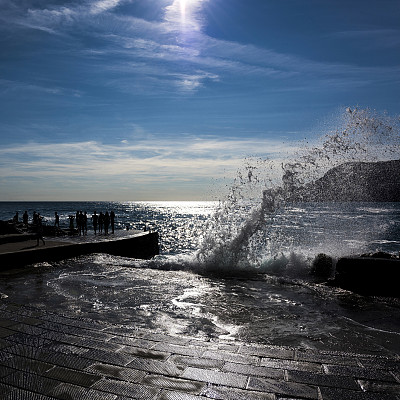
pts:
pixel 56 220
pixel 112 220
pixel 101 222
pixel 106 222
pixel 39 231
pixel 84 227
pixel 25 218
pixel 95 220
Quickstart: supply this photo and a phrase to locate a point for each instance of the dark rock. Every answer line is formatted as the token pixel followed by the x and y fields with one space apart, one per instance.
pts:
pixel 322 266
pixel 368 275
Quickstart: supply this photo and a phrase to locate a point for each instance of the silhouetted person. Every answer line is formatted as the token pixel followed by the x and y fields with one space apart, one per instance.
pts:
pixel 71 223
pixel 112 220
pixel 80 222
pixel 15 218
pixel 101 222
pixel 77 220
pixel 56 219
pixel 84 223
pixel 25 218
pixel 106 222
pixel 39 231
pixel 35 218
pixel 95 220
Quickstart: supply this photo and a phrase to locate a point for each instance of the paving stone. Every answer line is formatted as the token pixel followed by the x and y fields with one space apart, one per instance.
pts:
pixel 233 357
pixel 29 329
pixel 98 344
pixel 254 370
pixel 129 341
pixel 329 393
pixel 20 394
pixel 279 387
pixel 4 332
pixel 217 377
pixel 61 337
pixel 143 353
pixel 4 371
pixel 322 379
pixel 113 371
pixel 136 391
pixel 156 366
pixel 5 322
pixel 66 391
pixel 6 389
pixel 166 382
pixel 326 358
pixel 28 365
pixel 28 340
pixel 72 376
pixel 171 395
pixel 185 350
pixel 67 349
pixel 358 372
pixel 27 381
pixel 76 331
pixel 290 365
pixel 197 362
pixel 380 363
pixel 227 393
pixel 383 387
pixel 268 351
pixel 108 357
pixel 64 360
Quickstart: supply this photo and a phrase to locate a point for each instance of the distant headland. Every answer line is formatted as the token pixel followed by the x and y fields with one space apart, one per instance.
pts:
pixel 356 181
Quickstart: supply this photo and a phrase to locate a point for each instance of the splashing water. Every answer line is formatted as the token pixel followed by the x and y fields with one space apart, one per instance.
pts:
pixel 240 236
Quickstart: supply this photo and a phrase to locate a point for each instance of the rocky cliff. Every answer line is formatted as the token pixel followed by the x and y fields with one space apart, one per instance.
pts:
pixel 357 181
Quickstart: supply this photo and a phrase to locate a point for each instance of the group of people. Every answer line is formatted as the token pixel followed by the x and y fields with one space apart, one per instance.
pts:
pixel 101 222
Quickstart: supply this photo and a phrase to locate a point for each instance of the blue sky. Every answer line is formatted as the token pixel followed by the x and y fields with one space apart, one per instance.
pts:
pixel 163 99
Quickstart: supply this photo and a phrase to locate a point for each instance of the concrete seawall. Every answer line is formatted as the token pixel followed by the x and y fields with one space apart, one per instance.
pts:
pixel 138 244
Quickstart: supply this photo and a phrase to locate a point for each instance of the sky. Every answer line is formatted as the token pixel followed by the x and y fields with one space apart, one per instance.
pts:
pixel 164 99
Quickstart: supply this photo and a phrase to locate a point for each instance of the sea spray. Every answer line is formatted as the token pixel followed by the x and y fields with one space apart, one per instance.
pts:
pixel 241 235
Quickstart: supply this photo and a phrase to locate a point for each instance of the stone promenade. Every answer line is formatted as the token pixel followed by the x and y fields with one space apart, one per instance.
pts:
pixel 46 356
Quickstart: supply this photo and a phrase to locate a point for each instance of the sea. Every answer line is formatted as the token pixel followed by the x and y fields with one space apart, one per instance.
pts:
pixel 237 268
pixel 268 298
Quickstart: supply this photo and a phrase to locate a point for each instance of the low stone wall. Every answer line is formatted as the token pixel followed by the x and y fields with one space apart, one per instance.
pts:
pixel 143 245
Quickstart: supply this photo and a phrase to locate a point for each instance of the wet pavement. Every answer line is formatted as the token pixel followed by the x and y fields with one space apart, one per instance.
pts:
pixel 45 356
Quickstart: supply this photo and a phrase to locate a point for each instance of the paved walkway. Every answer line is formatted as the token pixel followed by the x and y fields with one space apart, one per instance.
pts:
pixel 46 356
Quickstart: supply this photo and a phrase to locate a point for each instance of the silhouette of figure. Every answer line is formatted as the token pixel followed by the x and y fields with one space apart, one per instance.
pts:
pixel 15 218
pixel 56 219
pixel 84 225
pixel 80 222
pixel 106 222
pixel 112 221
pixel 95 220
pixel 71 223
pixel 101 222
pixel 25 218
pixel 39 231
pixel 35 218
pixel 77 220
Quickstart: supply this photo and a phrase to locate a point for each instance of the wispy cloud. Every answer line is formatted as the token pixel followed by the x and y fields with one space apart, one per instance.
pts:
pixel 184 158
